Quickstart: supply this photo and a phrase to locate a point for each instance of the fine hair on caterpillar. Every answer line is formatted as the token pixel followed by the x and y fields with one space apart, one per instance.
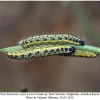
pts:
pixel 60 39
pixel 29 53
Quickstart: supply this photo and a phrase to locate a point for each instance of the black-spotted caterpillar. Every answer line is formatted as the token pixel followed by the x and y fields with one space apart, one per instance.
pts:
pixel 81 53
pixel 48 45
pixel 54 39
pixel 29 53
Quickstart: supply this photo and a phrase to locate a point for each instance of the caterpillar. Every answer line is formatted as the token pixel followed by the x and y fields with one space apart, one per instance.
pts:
pixel 29 53
pixel 48 45
pixel 60 39
pixel 81 53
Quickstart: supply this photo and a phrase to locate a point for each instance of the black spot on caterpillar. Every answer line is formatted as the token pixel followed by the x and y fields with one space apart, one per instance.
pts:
pixel 29 53
pixel 81 53
pixel 60 39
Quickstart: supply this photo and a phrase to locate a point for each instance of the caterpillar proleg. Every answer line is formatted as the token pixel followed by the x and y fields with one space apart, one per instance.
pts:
pixel 60 39
pixel 29 53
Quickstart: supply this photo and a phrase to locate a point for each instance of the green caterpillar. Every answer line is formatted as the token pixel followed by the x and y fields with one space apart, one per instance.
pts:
pixel 54 39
